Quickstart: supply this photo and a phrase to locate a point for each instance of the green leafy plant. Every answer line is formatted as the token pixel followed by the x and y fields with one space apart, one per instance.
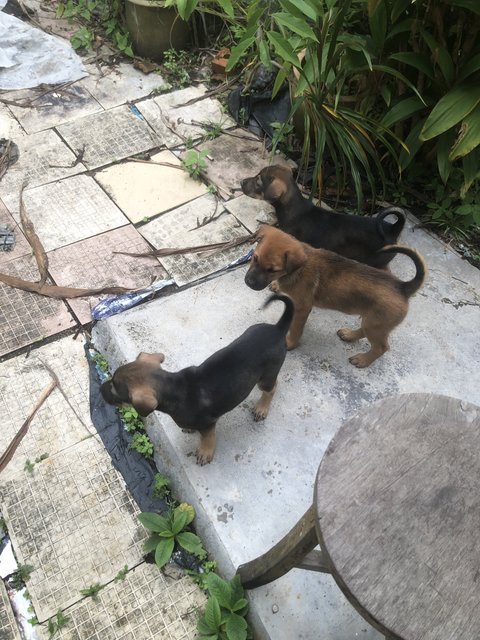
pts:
pixel 169 530
pixel 100 361
pixel 122 574
pixel 29 466
pixel 21 575
pixel 224 615
pixel 93 590
pixel 56 623
pixel 176 65
pixel 142 443
pixel 83 38
pixel 200 577
pixel 194 162
pixel 161 486
pixel 133 422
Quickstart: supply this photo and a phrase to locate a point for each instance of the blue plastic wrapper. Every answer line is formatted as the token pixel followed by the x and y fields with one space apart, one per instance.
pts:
pixel 115 304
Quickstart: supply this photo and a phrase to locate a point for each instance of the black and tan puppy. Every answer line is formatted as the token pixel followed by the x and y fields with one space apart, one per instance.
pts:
pixel 355 237
pixel 196 397
pixel 321 278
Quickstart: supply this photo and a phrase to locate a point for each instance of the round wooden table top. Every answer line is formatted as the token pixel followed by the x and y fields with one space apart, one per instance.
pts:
pixel 397 496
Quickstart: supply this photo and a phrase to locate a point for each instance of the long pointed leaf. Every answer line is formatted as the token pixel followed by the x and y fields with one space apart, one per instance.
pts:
pixel 164 551
pixel 450 110
pixel 469 136
pixel 153 521
pixel 402 110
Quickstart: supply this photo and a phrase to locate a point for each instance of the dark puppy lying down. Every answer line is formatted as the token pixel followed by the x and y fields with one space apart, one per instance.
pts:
pixel 196 397
pixel 355 237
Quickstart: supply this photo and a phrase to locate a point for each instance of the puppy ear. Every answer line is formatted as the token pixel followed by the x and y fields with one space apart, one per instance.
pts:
pixel 152 358
pixel 275 190
pixel 143 400
pixel 294 259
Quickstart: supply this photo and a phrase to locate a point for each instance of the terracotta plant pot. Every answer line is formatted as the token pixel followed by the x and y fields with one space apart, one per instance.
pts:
pixel 154 28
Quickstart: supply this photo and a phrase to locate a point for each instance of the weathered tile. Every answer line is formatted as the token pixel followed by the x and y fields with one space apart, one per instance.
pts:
pixel 109 136
pixel 143 190
pixel 21 246
pixel 235 156
pixel 251 212
pixel 43 157
pixel 56 107
pixel 180 228
pixel 68 211
pixel 115 85
pixel 93 263
pixel 145 606
pixel 74 522
pixel 8 626
pixel 9 127
pixel 58 424
pixel 173 122
pixel 28 317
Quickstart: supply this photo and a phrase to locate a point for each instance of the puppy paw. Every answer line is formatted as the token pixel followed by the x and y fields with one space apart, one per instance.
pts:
pixel 291 344
pixel 260 412
pixel 347 335
pixel 203 456
pixel 274 286
pixel 361 360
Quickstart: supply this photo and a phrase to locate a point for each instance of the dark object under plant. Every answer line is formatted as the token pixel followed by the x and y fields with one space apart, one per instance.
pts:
pixel 169 530
pixel 224 616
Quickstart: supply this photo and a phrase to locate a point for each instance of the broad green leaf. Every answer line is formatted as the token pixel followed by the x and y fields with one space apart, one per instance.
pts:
pixel 402 110
pixel 397 8
pixel 240 604
pixel 191 543
pixel 238 51
pixel 450 110
pixel 236 627
pixel 377 16
pixel 164 551
pixel 220 589
pixel 472 66
pixel 441 57
pixel 472 5
pixel 471 171
pixel 204 628
pixel 469 135
pixel 236 588
pixel 279 80
pixel 187 508
pixel 212 613
pixel 264 54
pixel 151 543
pixel 153 521
pixel 179 520
pixel 405 26
pixel 283 48
pixel 418 61
pixel 227 7
pixel 296 25
pixel 443 148
pixel 298 8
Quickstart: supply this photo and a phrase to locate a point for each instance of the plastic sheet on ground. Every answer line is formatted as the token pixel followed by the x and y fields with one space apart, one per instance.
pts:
pixel 30 57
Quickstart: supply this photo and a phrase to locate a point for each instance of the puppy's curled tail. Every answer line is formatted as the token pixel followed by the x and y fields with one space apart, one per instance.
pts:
pixel 285 321
pixel 409 288
pixel 390 229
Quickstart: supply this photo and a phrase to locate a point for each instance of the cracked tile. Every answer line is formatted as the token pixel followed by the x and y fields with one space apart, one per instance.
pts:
pixel 44 157
pixel 8 625
pixel 109 136
pixel 92 263
pixel 145 606
pixel 9 127
pixel 74 522
pixel 56 107
pixel 28 317
pixel 142 190
pixel 178 228
pixel 68 211
pixel 21 247
pixel 113 86
pixel 251 212
pixel 22 380
pixel 173 122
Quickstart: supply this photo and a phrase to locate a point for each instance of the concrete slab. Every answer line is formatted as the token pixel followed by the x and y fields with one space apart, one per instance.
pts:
pixel 112 86
pixel 251 212
pixel 109 136
pixel 9 127
pixel 56 107
pixel 173 122
pixel 67 211
pixel 261 479
pixel 143 191
pixel 27 317
pixel 74 522
pixel 44 157
pixel 145 606
pixel 184 227
pixel 93 263
pixel 22 381
pixel 8 625
pixel 21 247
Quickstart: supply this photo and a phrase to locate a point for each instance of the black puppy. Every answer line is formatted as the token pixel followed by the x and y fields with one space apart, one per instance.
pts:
pixel 355 237
pixel 196 397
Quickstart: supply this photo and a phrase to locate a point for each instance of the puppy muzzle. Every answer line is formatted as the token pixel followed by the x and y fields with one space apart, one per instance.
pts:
pixel 256 280
pixel 108 392
pixel 249 187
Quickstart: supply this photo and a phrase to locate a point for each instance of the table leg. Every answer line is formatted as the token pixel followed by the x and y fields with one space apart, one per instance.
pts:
pixel 285 555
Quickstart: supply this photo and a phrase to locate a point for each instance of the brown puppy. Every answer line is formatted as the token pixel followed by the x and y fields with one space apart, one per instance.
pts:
pixel 321 278
pixel 195 397
pixel 356 237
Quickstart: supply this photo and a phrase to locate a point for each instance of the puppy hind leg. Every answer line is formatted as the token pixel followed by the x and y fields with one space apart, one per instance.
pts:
pixel 378 338
pixel 262 407
pixel 351 335
pixel 206 449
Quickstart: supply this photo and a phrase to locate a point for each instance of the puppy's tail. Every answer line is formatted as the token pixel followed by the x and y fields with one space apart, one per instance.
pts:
pixel 409 288
pixel 285 321
pixel 390 230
